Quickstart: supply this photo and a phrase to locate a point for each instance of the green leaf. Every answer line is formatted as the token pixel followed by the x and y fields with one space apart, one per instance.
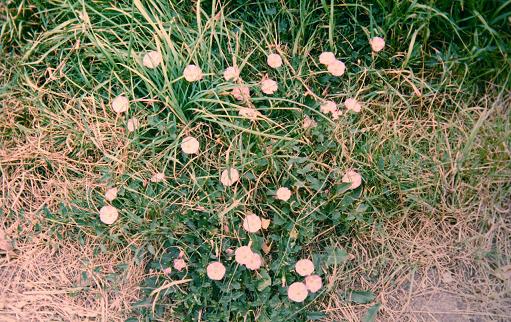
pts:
pixel 371 314
pixel 313 316
pixel 336 256
pixel 265 281
pixel 359 297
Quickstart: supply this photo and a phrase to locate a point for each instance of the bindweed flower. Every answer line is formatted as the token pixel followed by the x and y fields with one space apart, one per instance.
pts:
pixel 336 114
pixel 190 145
pixel 133 124
pixel 152 59
pixel 304 267
pixel 377 44
pixel 313 283
pixel 274 60
pixel 352 104
pixel 108 214
pixel 297 292
pixel 167 270
pixel 327 58
pixel 111 194
pixel 308 123
pixel 192 73
pixel 243 255
pixel 179 264
pixel 254 262
pixel 120 104
pixel 231 73
pixel 283 193
pixel 229 177
pixel 252 223
pixel 337 68
pixel 250 113
pixel 265 223
pixel 241 93
pixel 269 86
pixel 328 107
pixel 353 177
pixel 215 271
pixel 158 177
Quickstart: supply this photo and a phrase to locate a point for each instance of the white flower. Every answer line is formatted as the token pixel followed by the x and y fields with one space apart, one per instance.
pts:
pixel 326 58
pixel 297 292
pixel 337 68
pixel 353 177
pixel 377 44
pixel 111 194
pixel 231 73
pixel 283 193
pixel 133 124
pixel 328 107
pixel 352 104
pixel 229 177
pixel 241 93
pixel 252 223
pixel 152 59
pixel 274 60
pixel 190 145
pixel 120 104
pixel 192 73
pixel 108 214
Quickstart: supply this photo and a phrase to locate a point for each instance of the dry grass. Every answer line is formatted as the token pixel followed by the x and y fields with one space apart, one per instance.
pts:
pixel 449 261
pixel 48 159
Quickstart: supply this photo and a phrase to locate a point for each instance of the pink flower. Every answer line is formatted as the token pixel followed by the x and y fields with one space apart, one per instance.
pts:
pixel 167 270
pixel 120 104
pixel 274 60
pixel 297 292
pixel 152 59
pixel 241 93
pixel 377 44
pixel 133 124
pixel 313 283
pixel 283 193
pixel 179 264
pixel 336 114
pixel 111 194
pixel 254 262
pixel 192 73
pixel 353 177
pixel 158 177
pixel 328 107
pixel 327 58
pixel 308 123
pixel 250 113
pixel 304 267
pixel 108 214
pixel 243 255
pixel 269 86
pixel 337 68
pixel 352 104
pixel 229 177
pixel 216 271
pixel 190 145
pixel 252 223
pixel 231 73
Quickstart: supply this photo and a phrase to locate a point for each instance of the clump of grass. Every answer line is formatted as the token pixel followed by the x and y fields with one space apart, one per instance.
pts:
pixel 93 52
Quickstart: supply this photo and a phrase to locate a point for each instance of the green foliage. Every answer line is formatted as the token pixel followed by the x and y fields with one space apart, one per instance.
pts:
pixel 98 46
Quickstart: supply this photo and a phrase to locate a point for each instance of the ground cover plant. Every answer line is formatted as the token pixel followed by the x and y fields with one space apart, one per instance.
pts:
pixel 236 147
